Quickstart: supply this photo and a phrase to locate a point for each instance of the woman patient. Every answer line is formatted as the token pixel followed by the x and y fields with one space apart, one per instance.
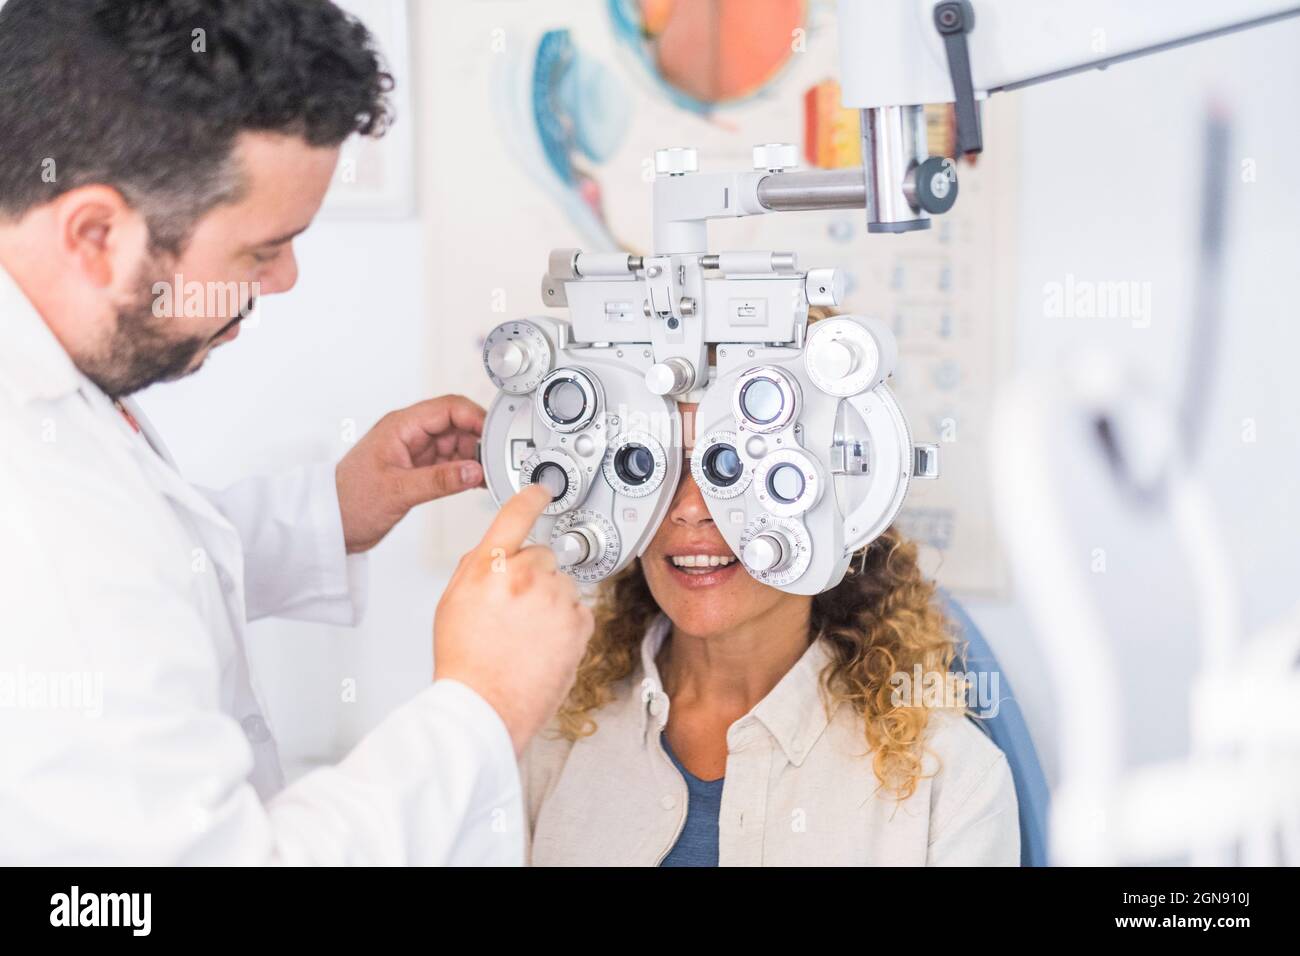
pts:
pixel 719 721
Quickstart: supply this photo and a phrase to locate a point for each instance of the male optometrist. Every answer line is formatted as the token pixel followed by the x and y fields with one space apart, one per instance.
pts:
pixel 132 153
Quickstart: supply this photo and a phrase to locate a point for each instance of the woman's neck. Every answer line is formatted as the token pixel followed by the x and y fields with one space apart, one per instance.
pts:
pixel 733 670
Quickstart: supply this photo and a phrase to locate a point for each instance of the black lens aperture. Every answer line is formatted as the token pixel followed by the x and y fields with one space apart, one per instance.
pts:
pixel 722 465
pixel 634 464
pixel 551 477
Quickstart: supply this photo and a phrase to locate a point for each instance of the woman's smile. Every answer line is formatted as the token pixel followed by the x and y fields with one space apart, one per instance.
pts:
pixel 702 569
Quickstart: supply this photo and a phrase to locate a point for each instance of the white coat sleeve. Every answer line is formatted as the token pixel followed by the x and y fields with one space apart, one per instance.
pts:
pixel 295 562
pixel 116 750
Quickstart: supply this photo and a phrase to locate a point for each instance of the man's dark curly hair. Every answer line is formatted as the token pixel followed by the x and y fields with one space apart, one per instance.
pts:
pixel 148 96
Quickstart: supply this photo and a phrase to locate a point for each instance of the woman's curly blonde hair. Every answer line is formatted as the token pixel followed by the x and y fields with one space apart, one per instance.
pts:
pixel 881 620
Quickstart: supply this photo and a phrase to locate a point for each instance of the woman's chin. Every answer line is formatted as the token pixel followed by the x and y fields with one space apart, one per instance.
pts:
pixel 705 603
pixel 702 622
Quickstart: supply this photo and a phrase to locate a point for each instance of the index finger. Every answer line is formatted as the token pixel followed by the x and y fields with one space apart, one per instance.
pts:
pixel 515 519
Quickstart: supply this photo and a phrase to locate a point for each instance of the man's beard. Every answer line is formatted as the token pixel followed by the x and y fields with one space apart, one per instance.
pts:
pixel 143 348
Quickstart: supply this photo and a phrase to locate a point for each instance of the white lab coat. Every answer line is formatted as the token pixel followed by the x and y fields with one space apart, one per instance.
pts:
pixel 130 726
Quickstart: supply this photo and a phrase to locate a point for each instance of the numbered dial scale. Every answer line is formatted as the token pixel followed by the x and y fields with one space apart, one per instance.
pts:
pixel 586 544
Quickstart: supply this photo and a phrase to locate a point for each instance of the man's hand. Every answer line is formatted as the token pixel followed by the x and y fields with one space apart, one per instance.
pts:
pixel 411 456
pixel 510 625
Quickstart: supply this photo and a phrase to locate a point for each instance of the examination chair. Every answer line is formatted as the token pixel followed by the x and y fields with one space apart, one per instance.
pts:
pixel 1008 730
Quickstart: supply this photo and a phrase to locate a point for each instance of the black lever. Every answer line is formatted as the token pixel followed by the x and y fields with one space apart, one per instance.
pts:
pixel 954 19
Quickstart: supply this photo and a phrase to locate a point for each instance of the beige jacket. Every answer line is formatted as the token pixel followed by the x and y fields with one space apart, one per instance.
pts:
pixel 799 787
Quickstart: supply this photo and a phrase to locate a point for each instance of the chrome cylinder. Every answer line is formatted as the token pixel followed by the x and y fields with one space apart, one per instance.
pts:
pixel 893 142
pixel 813 189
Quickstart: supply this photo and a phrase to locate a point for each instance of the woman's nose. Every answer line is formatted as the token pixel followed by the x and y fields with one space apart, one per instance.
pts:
pixel 688 504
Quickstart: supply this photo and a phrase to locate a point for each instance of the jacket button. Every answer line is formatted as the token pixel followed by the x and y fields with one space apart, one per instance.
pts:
pixel 668 802
pixel 656 706
pixel 255 729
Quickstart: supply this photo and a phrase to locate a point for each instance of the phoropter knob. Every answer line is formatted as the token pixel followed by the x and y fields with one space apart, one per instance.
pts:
pixel 506 359
pixel 932 185
pixel 766 552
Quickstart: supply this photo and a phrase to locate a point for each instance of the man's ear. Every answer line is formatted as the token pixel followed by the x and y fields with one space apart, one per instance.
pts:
pixel 103 236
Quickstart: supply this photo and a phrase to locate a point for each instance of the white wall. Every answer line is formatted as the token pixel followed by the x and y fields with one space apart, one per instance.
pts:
pixel 1111 191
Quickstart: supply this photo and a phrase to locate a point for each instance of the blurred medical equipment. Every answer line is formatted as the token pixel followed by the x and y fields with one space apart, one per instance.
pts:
pixel 1240 791
pixel 1237 798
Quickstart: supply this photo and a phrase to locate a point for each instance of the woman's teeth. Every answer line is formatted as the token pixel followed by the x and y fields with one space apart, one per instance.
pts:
pixel 701 562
